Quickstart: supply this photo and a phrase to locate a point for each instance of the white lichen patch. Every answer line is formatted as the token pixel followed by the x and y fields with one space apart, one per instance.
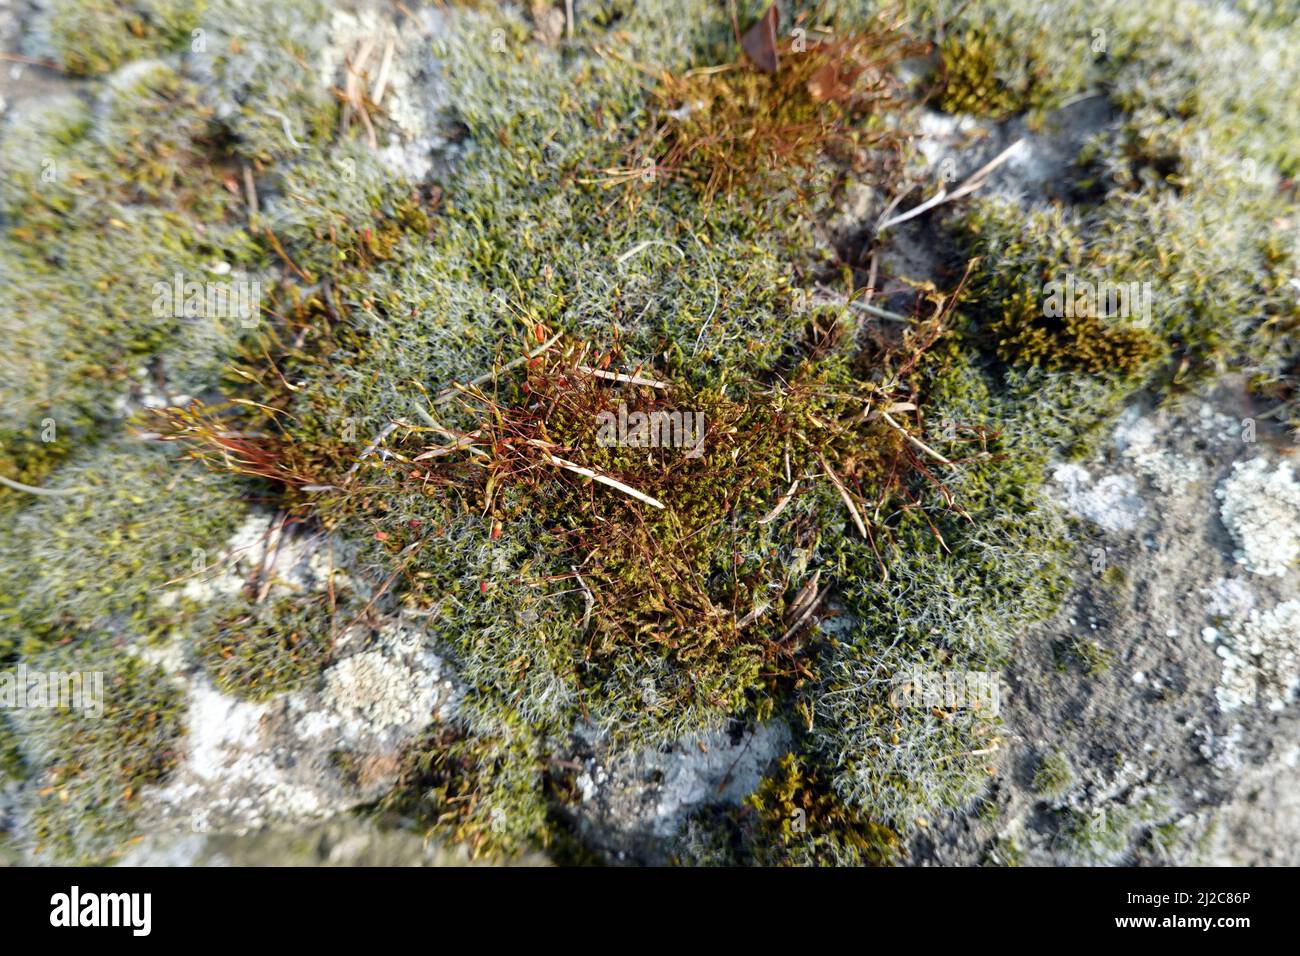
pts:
pixel 377 693
pixel 1261 662
pixel 1229 598
pixel 408 93
pixel 1112 502
pixel 249 764
pixel 1261 509
pixel 1141 442
pixel 292 564
pixel 229 776
pixel 655 789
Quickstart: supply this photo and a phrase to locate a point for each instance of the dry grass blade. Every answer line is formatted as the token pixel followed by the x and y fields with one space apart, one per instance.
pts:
pixel 844 494
pixel 605 480
pixel 913 440
pixel 620 377
pixel 969 185
pixel 781 503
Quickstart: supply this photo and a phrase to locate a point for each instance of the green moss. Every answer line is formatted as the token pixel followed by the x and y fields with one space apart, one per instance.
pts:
pixel 1005 851
pixel 88 771
pixel 791 819
pixel 268 649
pixel 999 69
pixel 562 603
pixel 96 36
pixel 259 71
pixel 99 555
pixel 12 767
pixel 99 214
pixel 483 793
pixel 1105 833
pixel 1095 659
pixel 1217 70
pixel 1019 297
pixel 1054 775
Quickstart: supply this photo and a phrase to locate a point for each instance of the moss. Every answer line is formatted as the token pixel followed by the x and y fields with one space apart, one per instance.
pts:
pixel 1105 833
pixel 737 127
pixel 996 70
pixel 12 767
pixel 483 793
pixel 562 602
pixel 88 772
pixel 800 822
pixel 791 819
pixel 99 555
pixel 1020 299
pixel 96 36
pixel 1005 851
pixel 98 214
pixel 1054 775
pixel 1096 660
pixel 268 649
pixel 1214 68
pixel 259 71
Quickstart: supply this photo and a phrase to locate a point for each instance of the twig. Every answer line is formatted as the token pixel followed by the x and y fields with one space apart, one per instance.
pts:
pixel 969 185
pixel 370 449
pixel 620 377
pixel 803 618
pixel 32 61
pixel 758 611
pixel 844 494
pixel 250 192
pixel 780 504
pixel 588 598
pixel 806 594
pixel 448 394
pixel 381 82
pixel 33 490
pixel 864 306
pixel 605 480
pixel 913 440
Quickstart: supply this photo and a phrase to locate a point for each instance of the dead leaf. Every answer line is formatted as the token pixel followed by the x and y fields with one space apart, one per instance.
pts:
pixel 759 41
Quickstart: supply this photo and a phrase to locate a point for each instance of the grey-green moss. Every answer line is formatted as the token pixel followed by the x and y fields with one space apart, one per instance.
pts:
pixel 392 294
pixel 89 770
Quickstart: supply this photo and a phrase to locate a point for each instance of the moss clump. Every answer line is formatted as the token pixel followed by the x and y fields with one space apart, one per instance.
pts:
pixel 12 767
pixel 998 60
pixel 791 819
pixel 1217 70
pixel 1054 775
pixel 980 73
pixel 127 522
pixel 799 822
pixel 1018 296
pixel 87 771
pixel 1096 660
pixel 484 793
pixel 735 126
pixel 269 649
pixel 1105 833
pixel 566 606
pixel 96 36
pixel 259 71
pixel 99 214
pixel 1005 851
